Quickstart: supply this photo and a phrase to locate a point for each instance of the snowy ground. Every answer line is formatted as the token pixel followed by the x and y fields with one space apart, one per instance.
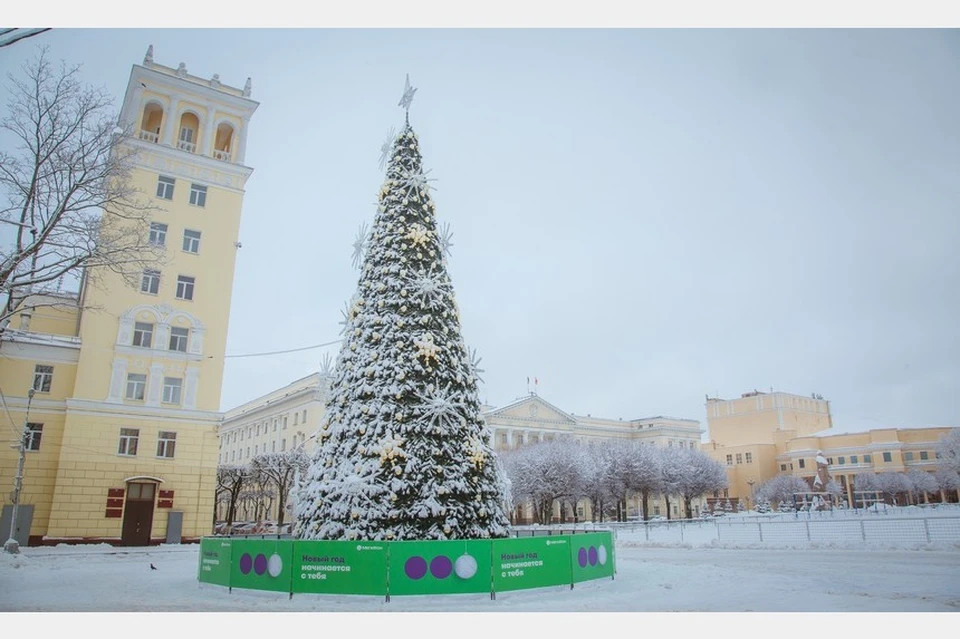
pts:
pixel 665 575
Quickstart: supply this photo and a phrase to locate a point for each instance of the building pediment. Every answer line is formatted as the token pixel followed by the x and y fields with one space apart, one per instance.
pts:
pixel 531 409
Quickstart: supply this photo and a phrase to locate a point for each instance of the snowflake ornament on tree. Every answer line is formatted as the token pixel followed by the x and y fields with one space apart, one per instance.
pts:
pixel 403 452
pixel 360 245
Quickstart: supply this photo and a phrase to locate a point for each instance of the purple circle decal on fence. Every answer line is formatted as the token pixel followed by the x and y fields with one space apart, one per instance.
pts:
pixel 260 564
pixel 593 556
pixel 582 557
pixel 415 568
pixel 246 563
pixel 441 567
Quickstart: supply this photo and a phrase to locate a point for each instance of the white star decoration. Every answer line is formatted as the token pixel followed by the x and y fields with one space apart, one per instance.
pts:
pixel 407 98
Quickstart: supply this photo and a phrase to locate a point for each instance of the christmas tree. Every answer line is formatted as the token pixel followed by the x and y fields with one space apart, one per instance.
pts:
pixel 403 451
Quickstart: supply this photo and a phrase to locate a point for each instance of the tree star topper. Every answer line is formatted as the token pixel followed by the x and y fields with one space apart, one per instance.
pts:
pixel 407 98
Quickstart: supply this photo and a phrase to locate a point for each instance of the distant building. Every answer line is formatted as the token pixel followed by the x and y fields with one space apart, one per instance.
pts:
pixel 290 416
pixel 760 435
pixel 127 382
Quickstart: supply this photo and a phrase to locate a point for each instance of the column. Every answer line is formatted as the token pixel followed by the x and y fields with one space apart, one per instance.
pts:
pixel 117 378
pixel 162 338
pixel 154 385
pixel 191 383
pixel 209 135
pixel 242 142
pixel 167 137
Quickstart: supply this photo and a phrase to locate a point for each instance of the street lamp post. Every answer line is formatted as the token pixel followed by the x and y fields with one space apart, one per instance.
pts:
pixel 12 546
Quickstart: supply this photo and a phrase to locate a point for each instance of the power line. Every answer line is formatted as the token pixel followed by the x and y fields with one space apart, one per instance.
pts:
pixel 290 350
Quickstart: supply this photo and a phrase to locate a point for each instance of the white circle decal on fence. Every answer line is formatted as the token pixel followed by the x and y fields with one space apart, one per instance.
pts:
pixel 465 567
pixel 274 565
pixel 602 554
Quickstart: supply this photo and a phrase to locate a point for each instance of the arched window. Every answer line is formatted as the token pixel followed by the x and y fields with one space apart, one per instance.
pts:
pixel 151 122
pixel 189 132
pixel 223 143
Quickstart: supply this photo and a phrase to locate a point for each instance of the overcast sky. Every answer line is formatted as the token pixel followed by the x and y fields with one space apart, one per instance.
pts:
pixel 639 217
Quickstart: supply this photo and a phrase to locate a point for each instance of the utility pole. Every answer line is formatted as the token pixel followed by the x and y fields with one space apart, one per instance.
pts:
pixel 12 546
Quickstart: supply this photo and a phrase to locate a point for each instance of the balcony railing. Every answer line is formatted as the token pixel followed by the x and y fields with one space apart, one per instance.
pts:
pixel 224 156
pixel 149 136
pixel 189 147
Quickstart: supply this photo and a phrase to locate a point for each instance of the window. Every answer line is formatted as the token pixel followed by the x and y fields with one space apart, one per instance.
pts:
pixel 783 467
pixel 284 421
pixel 842 460
pixel 166 443
pixel 924 455
pixel 171 390
pixel 304 415
pixel 150 282
pixel 803 463
pixel 185 287
pixel 830 461
pixel 191 241
pixel 178 338
pixel 186 140
pixel 141 492
pixel 165 187
pixel 729 460
pixel 42 378
pixel 273 446
pixel 739 458
pixel 136 385
pixel 198 195
pixel 867 459
pixel 749 457
pixel 296 418
pixel 283 444
pixel 142 334
pixel 129 437
pixel 233 455
pixel 853 459
pixel 34 431
pixel 158 233
pixel 256 449
pixel 887 457
pixel 908 456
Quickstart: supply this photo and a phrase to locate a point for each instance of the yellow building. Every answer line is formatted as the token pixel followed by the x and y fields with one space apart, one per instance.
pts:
pixel 761 435
pixel 127 381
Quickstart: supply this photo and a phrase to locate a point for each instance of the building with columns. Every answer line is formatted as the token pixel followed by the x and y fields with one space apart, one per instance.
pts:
pixel 127 380
pixel 291 415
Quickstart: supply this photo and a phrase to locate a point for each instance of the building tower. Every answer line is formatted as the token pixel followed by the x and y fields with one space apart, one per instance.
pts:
pixel 138 453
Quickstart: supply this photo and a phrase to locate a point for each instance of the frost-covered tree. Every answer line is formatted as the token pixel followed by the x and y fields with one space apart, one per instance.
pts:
pixel 595 477
pixel 278 471
pixel 701 475
pixel 545 473
pixel 893 484
pixel 948 461
pixel 403 452
pixel 780 490
pixel 922 484
pixel 647 474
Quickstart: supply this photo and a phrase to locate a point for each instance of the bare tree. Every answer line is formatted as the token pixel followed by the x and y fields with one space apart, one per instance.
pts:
pixel 278 472
pixel 66 189
pixel 542 474
pixel 948 461
pixel 231 480
pixel 921 483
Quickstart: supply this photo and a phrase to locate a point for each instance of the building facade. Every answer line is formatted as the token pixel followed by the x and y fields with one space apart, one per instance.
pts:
pixel 761 435
pixel 290 416
pixel 127 381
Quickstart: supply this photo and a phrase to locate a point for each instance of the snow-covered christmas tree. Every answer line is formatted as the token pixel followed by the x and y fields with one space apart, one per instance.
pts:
pixel 403 452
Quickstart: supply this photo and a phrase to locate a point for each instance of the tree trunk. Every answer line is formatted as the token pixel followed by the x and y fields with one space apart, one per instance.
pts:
pixel 686 506
pixel 666 498
pixel 644 503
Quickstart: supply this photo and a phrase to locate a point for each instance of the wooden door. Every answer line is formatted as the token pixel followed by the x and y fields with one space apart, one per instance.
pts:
pixel 138 515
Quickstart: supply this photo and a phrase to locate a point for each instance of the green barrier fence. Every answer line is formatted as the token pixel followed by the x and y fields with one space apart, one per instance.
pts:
pixel 406 567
